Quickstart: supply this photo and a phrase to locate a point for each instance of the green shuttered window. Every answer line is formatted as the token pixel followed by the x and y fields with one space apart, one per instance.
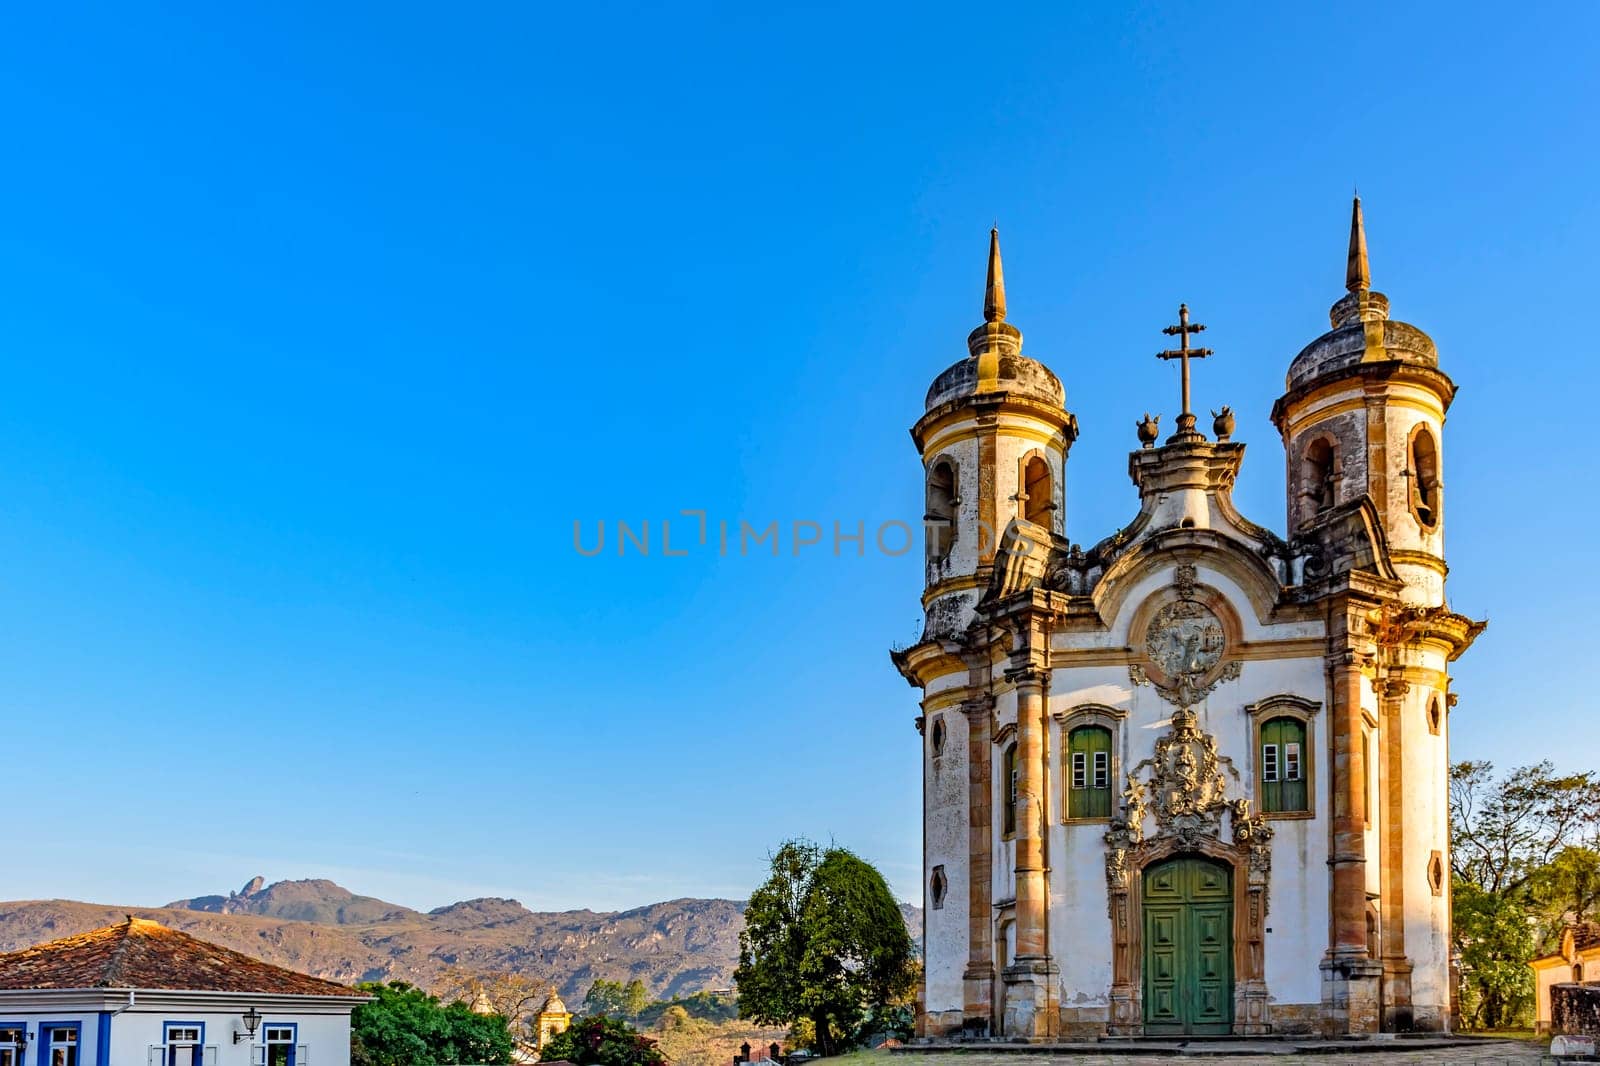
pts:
pixel 1089 772
pixel 1283 768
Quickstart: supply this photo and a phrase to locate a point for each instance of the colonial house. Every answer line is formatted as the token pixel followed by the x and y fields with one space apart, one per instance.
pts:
pixel 1576 961
pixel 1189 777
pixel 140 994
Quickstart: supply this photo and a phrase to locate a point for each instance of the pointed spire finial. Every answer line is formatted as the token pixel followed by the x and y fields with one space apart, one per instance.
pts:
pixel 994 292
pixel 1357 274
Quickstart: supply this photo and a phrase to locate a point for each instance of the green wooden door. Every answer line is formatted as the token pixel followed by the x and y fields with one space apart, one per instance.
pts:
pixel 1188 947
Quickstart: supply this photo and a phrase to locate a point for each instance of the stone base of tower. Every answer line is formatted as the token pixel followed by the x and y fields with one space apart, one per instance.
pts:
pixel 1351 996
pixel 1397 1014
pixel 1030 1000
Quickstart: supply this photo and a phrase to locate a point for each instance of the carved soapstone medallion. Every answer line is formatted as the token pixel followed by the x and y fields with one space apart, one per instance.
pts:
pixel 1184 645
pixel 1184 639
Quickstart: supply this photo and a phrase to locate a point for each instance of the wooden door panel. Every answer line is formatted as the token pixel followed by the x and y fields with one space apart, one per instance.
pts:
pixel 1188 950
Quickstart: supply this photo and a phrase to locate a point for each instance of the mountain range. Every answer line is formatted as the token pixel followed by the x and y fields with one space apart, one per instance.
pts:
pixel 676 947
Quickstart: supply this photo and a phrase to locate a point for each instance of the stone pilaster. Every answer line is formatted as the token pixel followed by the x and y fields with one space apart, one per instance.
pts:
pixel 978 977
pixel 1396 997
pixel 1350 977
pixel 1030 980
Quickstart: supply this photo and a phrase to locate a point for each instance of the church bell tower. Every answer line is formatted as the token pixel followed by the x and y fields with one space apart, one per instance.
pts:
pixel 994 439
pixel 1363 415
pixel 1362 420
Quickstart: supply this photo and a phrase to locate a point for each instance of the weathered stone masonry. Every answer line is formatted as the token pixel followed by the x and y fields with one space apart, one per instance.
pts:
pixel 1264 717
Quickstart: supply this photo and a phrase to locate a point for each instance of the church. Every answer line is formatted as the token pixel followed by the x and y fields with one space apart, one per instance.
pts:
pixel 1191 779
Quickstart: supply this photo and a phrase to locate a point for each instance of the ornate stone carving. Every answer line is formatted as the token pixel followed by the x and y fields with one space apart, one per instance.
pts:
pixel 1184 644
pixel 1252 831
pixel 1188 790
pixel 1183 789
pixel 1184 639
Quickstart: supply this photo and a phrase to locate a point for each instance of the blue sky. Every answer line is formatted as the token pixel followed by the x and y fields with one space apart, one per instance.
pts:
pixel 323 327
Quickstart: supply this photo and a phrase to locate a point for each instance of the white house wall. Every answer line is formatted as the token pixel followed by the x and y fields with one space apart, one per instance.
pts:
pixel 325 1035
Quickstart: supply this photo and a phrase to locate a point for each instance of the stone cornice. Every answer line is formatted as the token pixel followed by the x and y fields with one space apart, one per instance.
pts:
pixel 991 405
pixel 1365 374
pixel 926 660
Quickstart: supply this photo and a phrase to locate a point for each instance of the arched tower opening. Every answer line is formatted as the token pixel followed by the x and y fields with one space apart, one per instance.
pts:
pixel 1038 491
pixel 940 517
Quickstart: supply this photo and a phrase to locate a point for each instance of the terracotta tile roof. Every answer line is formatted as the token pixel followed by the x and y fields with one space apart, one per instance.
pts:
pixel 1585 935
pixel 139 953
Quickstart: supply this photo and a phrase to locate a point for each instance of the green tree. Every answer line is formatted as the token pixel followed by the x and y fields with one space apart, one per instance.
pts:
pixel 634 999
pixel 1503 832
pixel 1496 934
pixel 1521 857
pixel 617 1000
pixel 404 1026
pixel 603 997
pixel 824 941
pixel 1568 888
pixel 599 1040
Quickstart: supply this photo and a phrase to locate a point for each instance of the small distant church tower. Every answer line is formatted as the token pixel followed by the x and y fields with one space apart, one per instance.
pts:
pixel 552 1019
pixel 1192 779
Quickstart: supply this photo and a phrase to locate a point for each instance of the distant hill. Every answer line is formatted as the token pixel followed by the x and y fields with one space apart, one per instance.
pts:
pixel 300 901
pixel 677 947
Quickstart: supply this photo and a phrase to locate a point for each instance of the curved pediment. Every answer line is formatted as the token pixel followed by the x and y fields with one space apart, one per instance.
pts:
pixel 1177 547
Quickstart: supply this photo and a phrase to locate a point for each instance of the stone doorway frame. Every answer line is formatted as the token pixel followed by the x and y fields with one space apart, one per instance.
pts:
pixel 1127 933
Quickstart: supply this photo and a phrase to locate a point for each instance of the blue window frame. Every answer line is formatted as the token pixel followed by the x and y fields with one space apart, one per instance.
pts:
pixel 185 1043
pixel 60 1043
pixel 13 1043
pixel 280 1042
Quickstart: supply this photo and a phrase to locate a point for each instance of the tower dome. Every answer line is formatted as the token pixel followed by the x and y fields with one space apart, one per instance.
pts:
pixel 1362 330
pixel 995 361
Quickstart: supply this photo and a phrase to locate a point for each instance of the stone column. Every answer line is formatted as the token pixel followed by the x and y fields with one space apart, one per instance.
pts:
pixel 1030 980
pixel 978 978
pixel 1349 858
pixel 1350 975
pixel 1397 1015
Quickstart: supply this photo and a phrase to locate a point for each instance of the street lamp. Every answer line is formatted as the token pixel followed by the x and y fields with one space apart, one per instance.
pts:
pixel 251 1019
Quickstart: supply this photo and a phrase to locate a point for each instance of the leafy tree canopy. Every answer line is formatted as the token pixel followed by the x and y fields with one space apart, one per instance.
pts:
pixel 823 941
pixel 1523 863
pixel 599 1040
pixel 617 1000
pixel 404 1026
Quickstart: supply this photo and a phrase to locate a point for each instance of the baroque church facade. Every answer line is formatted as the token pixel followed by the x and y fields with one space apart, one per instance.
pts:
pixel 1192 779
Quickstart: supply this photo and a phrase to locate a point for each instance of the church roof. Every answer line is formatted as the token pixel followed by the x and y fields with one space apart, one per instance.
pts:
pixel 139 953
pixel 553 1003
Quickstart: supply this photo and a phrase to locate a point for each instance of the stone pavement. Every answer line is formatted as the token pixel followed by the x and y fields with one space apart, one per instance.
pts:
pixel 1230 1053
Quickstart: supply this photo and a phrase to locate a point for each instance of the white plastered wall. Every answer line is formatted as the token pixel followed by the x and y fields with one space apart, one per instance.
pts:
pixel 1298 889
pixel 945 843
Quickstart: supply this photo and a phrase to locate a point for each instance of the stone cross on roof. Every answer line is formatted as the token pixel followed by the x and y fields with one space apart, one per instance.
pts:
pixel 1184 353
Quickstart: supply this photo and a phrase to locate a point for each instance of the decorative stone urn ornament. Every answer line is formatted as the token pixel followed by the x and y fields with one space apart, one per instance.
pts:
pixel 1223 422
pixel 1149 430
